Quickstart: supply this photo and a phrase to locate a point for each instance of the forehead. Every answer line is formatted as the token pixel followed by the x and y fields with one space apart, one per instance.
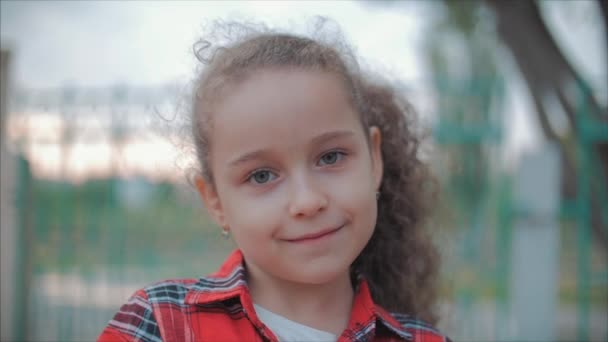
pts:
pixel 281 106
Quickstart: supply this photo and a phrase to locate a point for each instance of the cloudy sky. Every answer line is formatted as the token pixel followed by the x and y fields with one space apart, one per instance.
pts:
pixel 137 42
pixel 100 43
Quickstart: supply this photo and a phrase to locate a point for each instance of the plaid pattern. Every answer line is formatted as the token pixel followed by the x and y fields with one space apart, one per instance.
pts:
pixel 219 308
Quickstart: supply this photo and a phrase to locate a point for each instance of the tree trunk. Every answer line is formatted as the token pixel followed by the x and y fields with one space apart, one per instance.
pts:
pixel 547 72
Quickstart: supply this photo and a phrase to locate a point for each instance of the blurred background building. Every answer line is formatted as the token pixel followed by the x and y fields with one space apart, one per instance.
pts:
pixel 95 200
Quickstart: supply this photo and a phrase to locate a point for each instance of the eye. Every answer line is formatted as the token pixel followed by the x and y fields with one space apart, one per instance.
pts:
pixel 331 157
pixel 261 177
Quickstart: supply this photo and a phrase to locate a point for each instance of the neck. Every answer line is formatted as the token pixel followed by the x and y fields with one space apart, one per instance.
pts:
pixel 325 306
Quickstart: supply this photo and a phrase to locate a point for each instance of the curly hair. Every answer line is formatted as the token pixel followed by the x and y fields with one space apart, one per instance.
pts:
pixel 400 263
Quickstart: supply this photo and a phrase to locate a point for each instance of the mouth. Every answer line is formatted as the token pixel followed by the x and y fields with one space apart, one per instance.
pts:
pixel 315 236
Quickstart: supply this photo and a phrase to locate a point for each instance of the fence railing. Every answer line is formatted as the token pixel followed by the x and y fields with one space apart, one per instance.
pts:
pixel 88 239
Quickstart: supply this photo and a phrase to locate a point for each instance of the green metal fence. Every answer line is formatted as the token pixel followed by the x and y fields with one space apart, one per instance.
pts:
pixel 590 130
pixel 85 247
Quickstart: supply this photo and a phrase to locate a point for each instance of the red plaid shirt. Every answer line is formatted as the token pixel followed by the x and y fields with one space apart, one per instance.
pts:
pixel 219 308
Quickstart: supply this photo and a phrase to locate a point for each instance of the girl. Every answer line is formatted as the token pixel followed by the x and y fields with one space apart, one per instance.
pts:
pixel 314 171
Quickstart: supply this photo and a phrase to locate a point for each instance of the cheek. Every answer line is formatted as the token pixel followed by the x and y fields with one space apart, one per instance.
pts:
pixel 254 222
pixel 356 184
pixel 257 215
pixel 355 192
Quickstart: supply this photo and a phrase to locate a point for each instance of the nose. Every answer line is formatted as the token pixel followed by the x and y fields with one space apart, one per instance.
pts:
pixel 307 198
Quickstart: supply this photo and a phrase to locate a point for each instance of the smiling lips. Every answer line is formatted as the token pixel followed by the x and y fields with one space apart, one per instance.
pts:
pixel 315 236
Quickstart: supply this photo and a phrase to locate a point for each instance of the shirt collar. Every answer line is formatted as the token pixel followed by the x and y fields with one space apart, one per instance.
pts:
pixel 230 282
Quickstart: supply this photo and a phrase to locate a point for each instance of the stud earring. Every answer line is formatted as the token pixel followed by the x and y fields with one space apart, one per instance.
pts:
pixel 377 195
pixel 225 233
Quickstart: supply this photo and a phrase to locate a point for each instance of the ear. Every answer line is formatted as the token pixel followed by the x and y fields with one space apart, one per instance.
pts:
pixel 375 141
pixel 211 200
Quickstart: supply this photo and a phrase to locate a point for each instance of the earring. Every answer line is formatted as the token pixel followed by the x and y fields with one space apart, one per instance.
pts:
pixel 225 233
pixel 377 195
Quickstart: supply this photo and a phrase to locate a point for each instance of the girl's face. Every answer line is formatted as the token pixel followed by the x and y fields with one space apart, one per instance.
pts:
pixel 295 180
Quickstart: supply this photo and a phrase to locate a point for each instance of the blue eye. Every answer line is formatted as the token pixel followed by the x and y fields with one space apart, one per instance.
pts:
pixel 261 177
pixel 331 157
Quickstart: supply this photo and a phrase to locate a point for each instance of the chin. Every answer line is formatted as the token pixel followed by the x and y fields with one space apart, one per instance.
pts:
pixel 320 274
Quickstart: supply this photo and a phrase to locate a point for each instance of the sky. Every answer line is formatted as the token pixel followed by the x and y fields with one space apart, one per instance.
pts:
pixel 136 42
pixel 148 43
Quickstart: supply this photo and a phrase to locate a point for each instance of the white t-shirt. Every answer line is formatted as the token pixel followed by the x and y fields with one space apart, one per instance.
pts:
pixel 288 331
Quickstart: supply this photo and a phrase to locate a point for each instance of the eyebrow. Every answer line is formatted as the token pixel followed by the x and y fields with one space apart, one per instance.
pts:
pixel 256 154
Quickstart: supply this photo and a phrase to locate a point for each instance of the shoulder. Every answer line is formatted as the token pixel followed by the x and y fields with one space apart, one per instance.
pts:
pixel 419 329
pixel 137 319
